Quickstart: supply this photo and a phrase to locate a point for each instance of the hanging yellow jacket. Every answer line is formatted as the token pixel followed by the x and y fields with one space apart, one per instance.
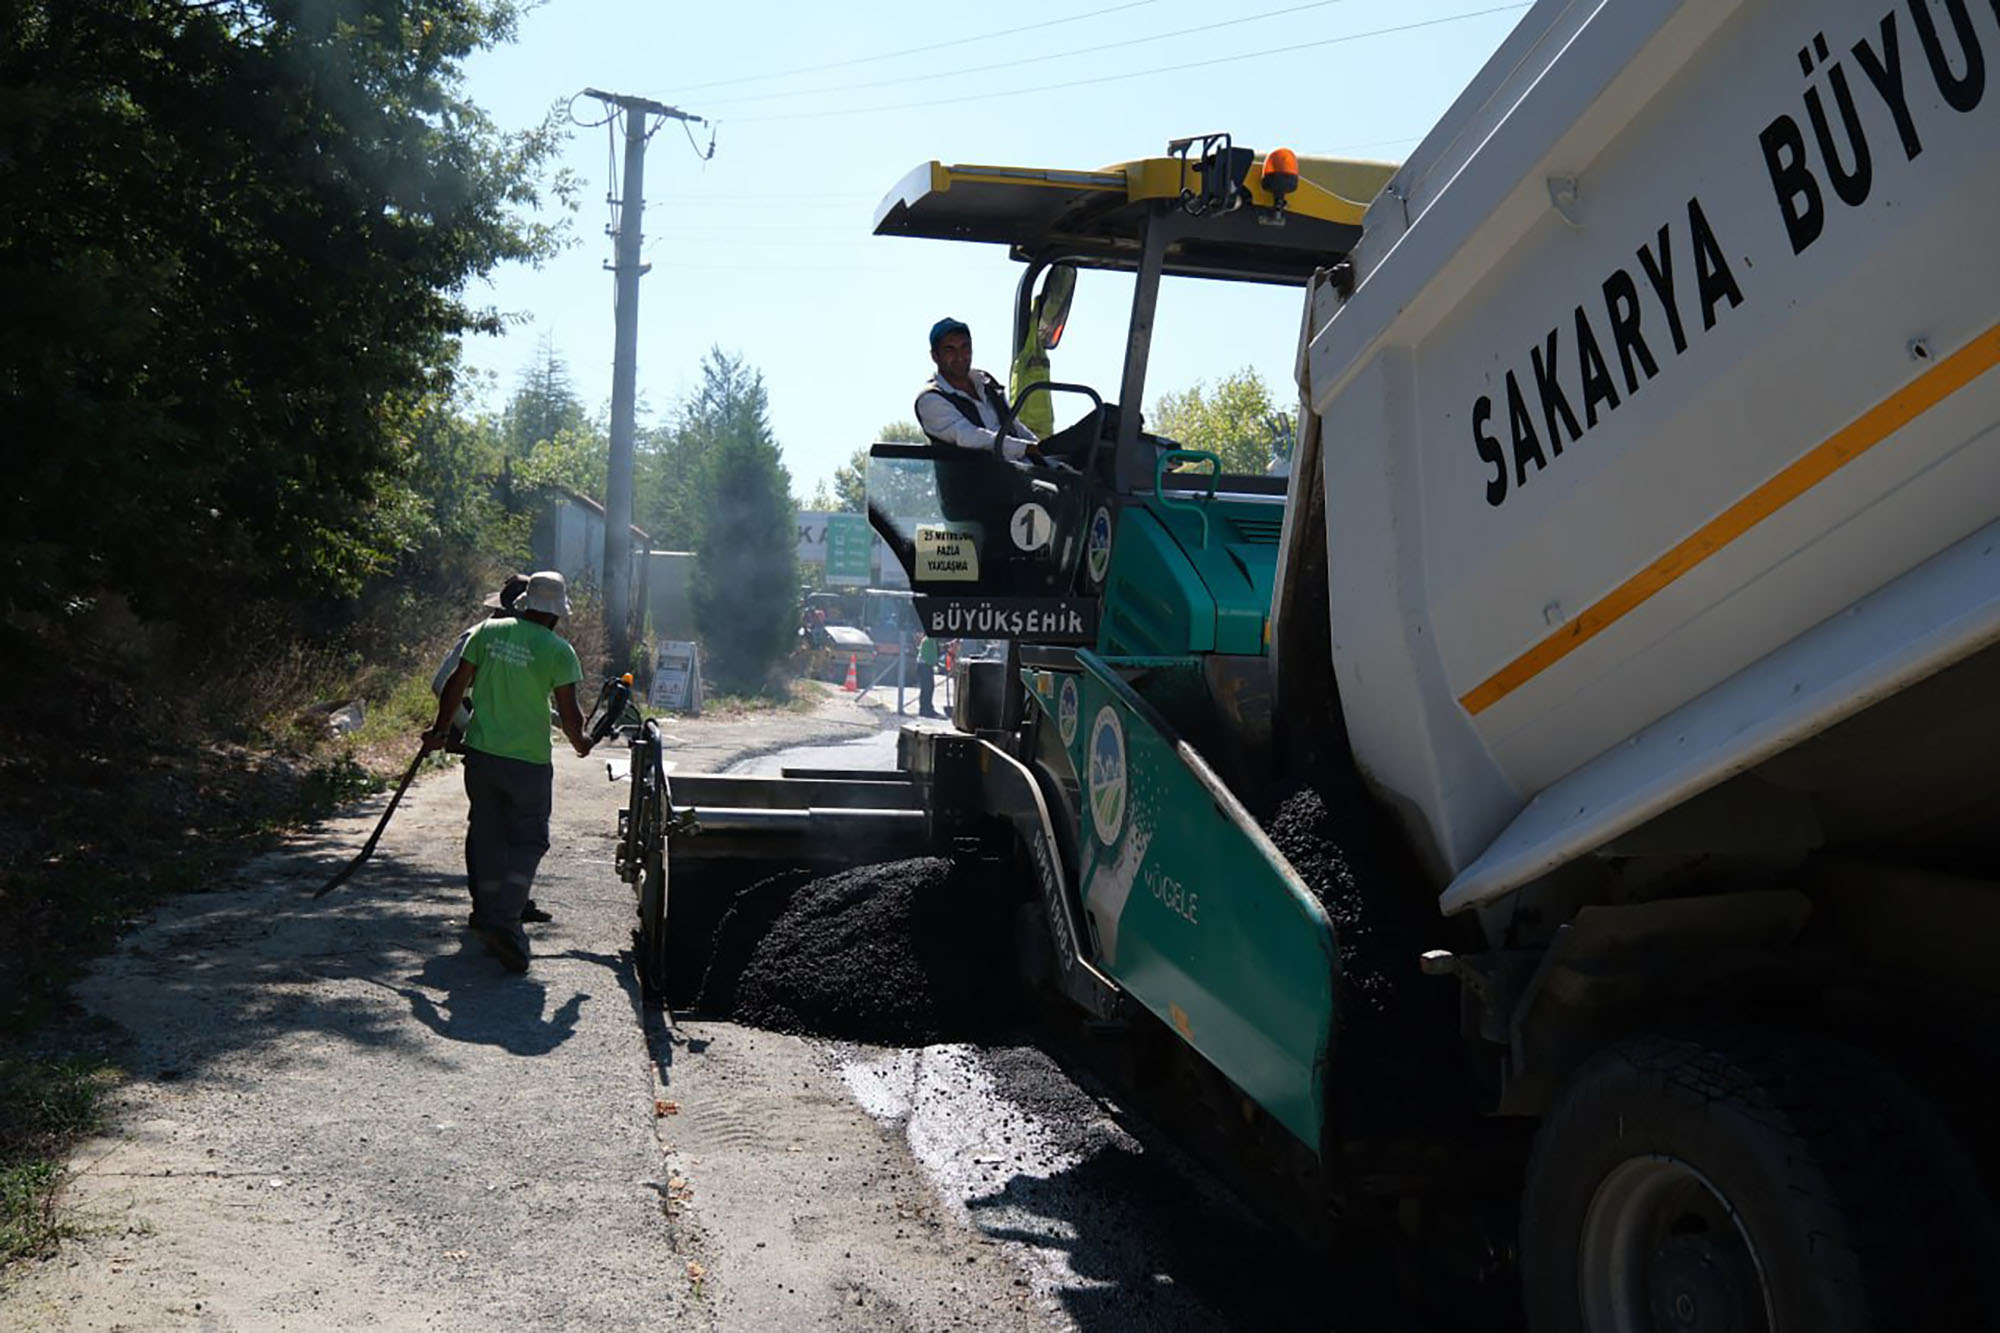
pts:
pixel 1031 366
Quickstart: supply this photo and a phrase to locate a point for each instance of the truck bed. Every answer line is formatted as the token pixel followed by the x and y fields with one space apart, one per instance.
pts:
pixel 1655 440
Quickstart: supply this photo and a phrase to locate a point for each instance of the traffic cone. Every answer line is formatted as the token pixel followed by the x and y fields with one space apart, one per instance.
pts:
pixel 853 685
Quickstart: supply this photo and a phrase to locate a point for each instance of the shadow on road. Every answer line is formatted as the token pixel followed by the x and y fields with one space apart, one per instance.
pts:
pixel 243 968
pixel 1154 1254
pixel 482 1004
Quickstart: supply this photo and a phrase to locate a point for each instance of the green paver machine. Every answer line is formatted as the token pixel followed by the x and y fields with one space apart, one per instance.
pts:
pixel 1118 741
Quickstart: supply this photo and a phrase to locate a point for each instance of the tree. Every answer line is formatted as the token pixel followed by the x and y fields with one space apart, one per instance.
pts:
pixel 850 480
pixel 544 405
pixel 455 477
pixel 234 238
pixel 672 465
pixel 746 576
pixel 578 458
pixel 1235 420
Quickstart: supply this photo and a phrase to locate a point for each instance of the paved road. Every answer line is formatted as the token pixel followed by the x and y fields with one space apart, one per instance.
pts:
pixel 342 1114
pixel 1106 1224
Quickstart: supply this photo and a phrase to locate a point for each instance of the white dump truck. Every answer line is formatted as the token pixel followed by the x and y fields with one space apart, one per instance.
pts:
pixel 1652 479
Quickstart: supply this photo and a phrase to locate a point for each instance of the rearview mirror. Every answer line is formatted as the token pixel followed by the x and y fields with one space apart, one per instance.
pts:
pixel 1052 305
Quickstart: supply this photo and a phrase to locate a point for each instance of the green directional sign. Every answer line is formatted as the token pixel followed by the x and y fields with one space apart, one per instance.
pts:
pixel 850 550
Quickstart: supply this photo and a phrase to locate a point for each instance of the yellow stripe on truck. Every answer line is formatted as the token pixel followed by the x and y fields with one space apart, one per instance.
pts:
pixel 1835 452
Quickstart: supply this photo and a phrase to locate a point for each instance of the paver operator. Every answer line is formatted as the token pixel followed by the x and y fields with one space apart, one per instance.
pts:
pixel 519 663
pixel 962 406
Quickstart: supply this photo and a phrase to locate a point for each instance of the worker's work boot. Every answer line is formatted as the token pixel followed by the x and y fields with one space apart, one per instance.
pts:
pixel 507 943
pixel 529 914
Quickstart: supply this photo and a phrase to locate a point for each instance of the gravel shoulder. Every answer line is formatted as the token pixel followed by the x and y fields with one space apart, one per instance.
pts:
pixel 343 1114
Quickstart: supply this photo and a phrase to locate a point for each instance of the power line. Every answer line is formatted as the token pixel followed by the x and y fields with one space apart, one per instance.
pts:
pixel 791 205
pixel 915 50
pixel 1135 74
pixel 1034 59
pixel 791 200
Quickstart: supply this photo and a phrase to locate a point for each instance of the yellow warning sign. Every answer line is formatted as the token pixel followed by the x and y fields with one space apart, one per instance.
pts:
pixel 947 553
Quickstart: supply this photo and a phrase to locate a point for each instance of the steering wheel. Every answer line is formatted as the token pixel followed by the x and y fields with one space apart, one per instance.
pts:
pixel 1035 461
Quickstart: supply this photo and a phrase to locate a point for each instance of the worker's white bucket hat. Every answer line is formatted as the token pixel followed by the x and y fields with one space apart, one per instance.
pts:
pixel 547 592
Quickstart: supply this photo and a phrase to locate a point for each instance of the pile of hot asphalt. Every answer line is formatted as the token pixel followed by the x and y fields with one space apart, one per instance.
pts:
pixel 1390 1020
pixel 900 953
pixel 919 951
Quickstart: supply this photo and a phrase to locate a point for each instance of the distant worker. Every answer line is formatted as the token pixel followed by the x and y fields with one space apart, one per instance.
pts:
pixel 963 406
pixel 497 604
pixel 927 660
pixel 518 663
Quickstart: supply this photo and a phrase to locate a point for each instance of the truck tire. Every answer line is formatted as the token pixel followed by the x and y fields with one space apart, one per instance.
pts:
pixel 1755 1183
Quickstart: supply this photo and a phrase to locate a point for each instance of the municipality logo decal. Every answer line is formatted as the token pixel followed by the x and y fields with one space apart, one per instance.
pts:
pixel 1097 548
pixel 1066 708
pixel 1107 776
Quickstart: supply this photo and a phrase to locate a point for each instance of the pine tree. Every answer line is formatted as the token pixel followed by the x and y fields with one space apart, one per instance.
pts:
pixel 544 405
pixel 746 577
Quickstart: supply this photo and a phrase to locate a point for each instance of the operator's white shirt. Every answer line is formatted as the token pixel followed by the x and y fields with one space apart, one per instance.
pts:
pixel 940 418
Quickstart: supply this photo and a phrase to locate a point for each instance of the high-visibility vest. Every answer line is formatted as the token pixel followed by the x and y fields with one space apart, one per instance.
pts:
pixel 1038 414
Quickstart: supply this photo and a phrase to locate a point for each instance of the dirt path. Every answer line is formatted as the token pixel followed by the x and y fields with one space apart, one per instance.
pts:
pixel 342 1114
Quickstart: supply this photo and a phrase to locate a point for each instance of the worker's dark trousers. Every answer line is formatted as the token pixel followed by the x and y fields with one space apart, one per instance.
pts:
pixel 926 682
pixel 507 833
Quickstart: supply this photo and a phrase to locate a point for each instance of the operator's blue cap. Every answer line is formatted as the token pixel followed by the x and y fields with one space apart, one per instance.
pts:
pixel 947 326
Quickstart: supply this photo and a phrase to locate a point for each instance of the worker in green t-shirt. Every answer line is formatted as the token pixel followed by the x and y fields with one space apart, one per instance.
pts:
pixel 519 663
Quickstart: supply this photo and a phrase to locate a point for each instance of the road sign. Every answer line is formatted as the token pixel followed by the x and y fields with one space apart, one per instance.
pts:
pixel 677 678
pixel 850 550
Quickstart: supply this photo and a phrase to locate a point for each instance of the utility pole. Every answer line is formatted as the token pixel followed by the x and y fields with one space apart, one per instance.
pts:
pixel 628 269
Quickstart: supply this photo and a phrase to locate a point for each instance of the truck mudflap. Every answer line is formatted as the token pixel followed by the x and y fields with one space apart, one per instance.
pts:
pixel 1193 911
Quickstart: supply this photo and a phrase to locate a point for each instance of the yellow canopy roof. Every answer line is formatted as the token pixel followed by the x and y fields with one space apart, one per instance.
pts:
pixel 1098 218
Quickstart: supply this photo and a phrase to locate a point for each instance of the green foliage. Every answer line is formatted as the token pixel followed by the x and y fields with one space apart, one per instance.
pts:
pixel 545 407
pixel 29 1226
pixel 746 581
pixel 408 708
pixel 849 494
pixel 1235 420
pixel 458 480
pixel 669 474
pixel 578 459
pixel 50 1104
pixel 234 238
pixel 673 464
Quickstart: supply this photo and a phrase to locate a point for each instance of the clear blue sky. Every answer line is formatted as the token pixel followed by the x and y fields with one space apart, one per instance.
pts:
pixel 765 249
